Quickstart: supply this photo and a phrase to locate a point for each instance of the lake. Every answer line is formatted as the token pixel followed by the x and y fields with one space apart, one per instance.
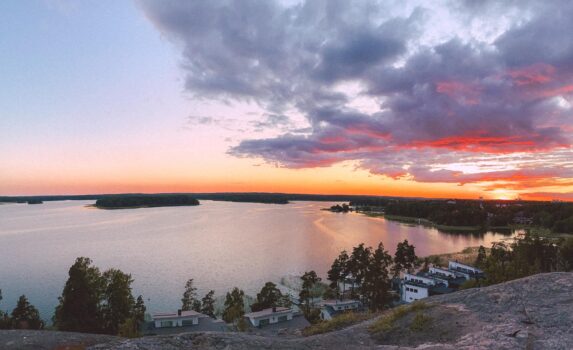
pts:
pixel 218 244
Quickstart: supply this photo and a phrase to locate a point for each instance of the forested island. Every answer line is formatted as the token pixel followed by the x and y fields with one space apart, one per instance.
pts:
pixel 145 201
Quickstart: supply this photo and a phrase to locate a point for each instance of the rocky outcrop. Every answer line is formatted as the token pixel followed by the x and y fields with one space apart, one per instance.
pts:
pixel 531 313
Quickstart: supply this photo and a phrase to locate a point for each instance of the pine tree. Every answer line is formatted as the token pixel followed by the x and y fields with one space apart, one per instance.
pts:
pixel 404 258
pixel 234 306
pixel 79 307
pixel 208 304
pixel 189 300
pixel 26 316
pixel 269 296
pixel 118 301
pixel 377 280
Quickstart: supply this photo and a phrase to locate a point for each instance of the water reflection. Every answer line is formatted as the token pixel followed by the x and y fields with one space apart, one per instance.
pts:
pixel 219 244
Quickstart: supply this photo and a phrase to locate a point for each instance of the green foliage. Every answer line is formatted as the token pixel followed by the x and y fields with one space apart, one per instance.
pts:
pixel 270 296
pixel 118 302
pixel 309 280
pixel 189 300
pixel 526 256
pixel 566 254
pixel 337 322
pixel 208 304
pixel 481 257
pixel 404 258
pixel 79 307
pixel 93 302
pixel 420 322
pixel 129 329
pixel 234 306
pixel 471 283
pixel 376 283
pixel 26 316
pixel 387 322
pixel 338 272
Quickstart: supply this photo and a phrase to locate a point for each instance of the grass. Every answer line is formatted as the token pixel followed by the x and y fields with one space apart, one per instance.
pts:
pixel 421 322
pixel 338 322
pixel 387 322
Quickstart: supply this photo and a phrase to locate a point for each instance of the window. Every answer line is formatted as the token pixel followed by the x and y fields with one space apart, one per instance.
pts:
pixel 166 323
pixel 187 322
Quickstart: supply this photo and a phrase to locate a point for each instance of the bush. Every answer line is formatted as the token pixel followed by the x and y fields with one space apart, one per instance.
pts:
pixel 386 322
pixel 420 322
pixel 339 321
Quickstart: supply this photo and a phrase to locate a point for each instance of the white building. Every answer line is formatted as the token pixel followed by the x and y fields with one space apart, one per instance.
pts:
pixel 436 281
pixel 412 291
pixel 177 319
pixel 269 316
pixel 464 270
pixel 331 308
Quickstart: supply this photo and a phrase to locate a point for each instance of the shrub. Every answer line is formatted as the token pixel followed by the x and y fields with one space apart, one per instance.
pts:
pixel 339 321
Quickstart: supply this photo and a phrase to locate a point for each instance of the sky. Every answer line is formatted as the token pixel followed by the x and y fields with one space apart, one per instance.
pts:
pixel 448 99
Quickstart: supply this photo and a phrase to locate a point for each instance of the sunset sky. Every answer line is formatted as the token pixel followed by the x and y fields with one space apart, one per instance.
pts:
pixel 403 98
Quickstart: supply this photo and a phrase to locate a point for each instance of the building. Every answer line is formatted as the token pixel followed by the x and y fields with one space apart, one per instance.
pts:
pixel 331 308
pixel 269 316
pixel 436 280
pixel 177 319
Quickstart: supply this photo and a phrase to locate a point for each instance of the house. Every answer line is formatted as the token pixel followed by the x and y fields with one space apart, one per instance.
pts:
pixel 177 319
pixel 437 280
pixel 466 271
pixel 331 308
pixel 270 316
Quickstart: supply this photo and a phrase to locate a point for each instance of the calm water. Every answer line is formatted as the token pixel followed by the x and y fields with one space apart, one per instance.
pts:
pixel 219 244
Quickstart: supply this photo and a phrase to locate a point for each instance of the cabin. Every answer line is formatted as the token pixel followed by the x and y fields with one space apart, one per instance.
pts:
pixel 269 316
pixel 331 308
pixel 177 319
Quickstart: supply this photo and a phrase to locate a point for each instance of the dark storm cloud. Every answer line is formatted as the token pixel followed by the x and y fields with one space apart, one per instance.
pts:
pixel 445 100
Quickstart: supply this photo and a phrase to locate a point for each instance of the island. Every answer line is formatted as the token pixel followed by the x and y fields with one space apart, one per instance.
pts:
pixel 344 208
pixel 145 201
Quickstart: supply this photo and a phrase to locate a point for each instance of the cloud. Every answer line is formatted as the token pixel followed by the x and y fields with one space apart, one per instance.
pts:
pixel 442 97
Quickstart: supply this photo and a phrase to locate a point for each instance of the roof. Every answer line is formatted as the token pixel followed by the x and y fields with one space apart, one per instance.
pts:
pixel 417 284
pixel 332 302
pixel 268 312
pixel 184 314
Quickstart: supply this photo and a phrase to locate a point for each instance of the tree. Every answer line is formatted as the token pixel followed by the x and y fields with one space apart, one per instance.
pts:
pixel 79 304
pixel 189 300
pixel 377 279
pixel 92 302
pixel 269 296
pixel 338 273
pixel 208 304
pixel 566 254
pixel 480 260
pixel 26 316
pixel 117 298
pixel 234 306
pixel 404 258
pixel 139 312
pixel 5 322
pixel 358 264
pixel 309 280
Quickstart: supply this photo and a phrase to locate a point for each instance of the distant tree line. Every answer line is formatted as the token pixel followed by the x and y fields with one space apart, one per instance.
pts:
pixel 556 216
pixel 137 201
